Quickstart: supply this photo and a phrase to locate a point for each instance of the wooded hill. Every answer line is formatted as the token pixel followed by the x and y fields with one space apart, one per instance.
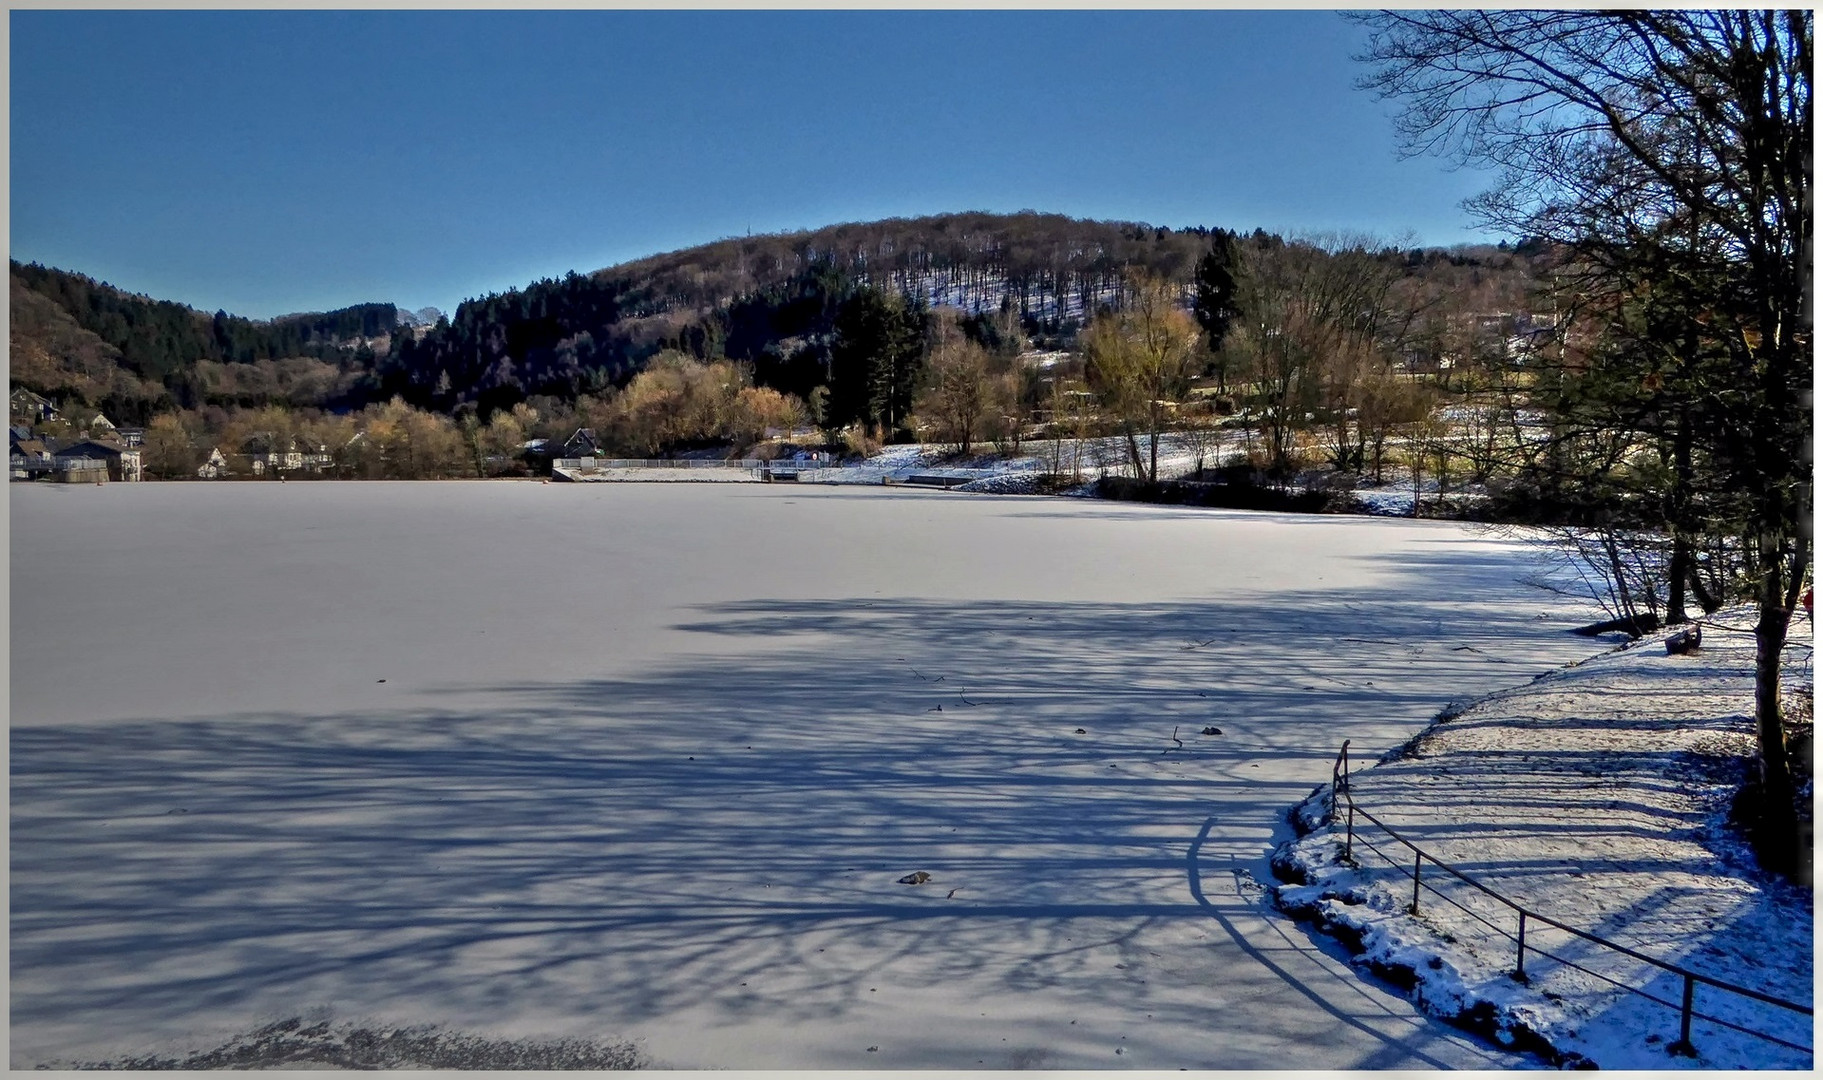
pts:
pixel 771 301
pixel 80 340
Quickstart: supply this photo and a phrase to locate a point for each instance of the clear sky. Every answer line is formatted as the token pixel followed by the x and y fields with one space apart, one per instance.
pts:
pixel 270 162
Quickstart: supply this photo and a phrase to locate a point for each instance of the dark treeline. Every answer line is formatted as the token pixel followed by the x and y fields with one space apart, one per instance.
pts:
pixel 822 335
pixel 560 337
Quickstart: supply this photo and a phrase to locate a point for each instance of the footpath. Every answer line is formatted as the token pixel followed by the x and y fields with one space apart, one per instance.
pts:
pixel 1597 796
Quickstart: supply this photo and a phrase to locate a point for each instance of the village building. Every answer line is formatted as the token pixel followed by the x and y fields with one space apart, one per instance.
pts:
pixel 30 458
pixel 93 424
pixel 266 451
pixel 582 444
pixel 79 462
pixel 214 467
pixel 28 408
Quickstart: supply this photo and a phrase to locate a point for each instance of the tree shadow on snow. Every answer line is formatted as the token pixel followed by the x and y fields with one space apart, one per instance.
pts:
pixel 732 828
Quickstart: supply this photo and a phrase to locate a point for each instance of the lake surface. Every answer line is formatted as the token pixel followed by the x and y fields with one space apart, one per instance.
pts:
pixel 647 761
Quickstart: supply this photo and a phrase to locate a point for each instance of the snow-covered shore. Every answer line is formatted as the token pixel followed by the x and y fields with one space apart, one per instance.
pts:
pixel 1596 795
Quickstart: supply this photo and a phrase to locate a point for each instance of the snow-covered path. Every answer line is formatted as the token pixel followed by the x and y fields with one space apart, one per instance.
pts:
pixel 648 761
pixel 1597 796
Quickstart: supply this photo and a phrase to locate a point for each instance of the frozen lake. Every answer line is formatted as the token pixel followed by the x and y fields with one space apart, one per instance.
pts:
pixel 646 761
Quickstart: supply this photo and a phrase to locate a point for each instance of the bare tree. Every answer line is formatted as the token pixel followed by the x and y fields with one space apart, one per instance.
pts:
pixel 1670 151
pixel 170 446
pixel 1315 315
pixel 960 393
pixel 1140 360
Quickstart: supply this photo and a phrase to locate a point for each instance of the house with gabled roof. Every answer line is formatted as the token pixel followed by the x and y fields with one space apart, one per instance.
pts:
pixel 265 450
pixel 582 444
pixel 29 408
pixel 29 458
pixel 215 466
pixel 115 460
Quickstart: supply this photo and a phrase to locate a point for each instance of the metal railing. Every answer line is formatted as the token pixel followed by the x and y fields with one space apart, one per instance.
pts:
pixel 1340 790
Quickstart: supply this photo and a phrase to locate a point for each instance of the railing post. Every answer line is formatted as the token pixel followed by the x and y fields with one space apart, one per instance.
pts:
pixel 1348 846
pixel 1338 779
pixel 1519 968
pixel 1683 1046
pixel 1417 869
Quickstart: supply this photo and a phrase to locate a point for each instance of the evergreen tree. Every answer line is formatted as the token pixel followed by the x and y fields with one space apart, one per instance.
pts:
pixel 1215 306
pixel 875 360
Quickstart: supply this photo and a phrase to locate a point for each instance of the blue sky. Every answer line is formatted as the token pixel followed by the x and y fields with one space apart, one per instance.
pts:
pixel 270 162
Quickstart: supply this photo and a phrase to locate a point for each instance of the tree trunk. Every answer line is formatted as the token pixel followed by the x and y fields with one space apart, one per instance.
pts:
pixel 1417 456
pixel 1622 594
pixel 1676 575
pixel 1778 825
pixel 1133 455
pixel 1705 599
pixel 1682 472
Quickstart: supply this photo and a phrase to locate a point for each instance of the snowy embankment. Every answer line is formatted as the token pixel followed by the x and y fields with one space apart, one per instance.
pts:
pixel 986 470
pixel 1597 796
pixel 990 471
pixel 665 476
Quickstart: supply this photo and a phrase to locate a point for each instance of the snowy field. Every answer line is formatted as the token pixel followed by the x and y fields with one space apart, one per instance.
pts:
pixel 648 762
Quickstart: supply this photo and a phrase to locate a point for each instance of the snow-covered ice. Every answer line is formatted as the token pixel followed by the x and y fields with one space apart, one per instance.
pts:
pixel 1596 796
pixel 648 761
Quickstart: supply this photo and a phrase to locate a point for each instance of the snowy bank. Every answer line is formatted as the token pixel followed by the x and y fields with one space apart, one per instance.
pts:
pixel 1597 795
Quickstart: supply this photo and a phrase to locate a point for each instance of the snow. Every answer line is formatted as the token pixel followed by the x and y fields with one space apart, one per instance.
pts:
pixel 646 762
pixel 1005 473
pixel 1391 500
pixel 1596 796
pixel 589 475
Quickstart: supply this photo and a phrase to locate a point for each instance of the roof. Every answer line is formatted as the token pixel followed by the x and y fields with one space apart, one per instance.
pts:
pixel 92 448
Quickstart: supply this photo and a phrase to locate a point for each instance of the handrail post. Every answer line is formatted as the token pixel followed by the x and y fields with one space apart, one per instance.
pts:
pixel 1338 779
pixel 1683 1046
pixel 1348 845
pixel 1417 869
pixel 1519 968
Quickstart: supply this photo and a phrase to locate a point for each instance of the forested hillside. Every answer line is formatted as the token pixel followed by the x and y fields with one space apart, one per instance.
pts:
pixel 804 313
pixel 772 301
pixel 74 338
